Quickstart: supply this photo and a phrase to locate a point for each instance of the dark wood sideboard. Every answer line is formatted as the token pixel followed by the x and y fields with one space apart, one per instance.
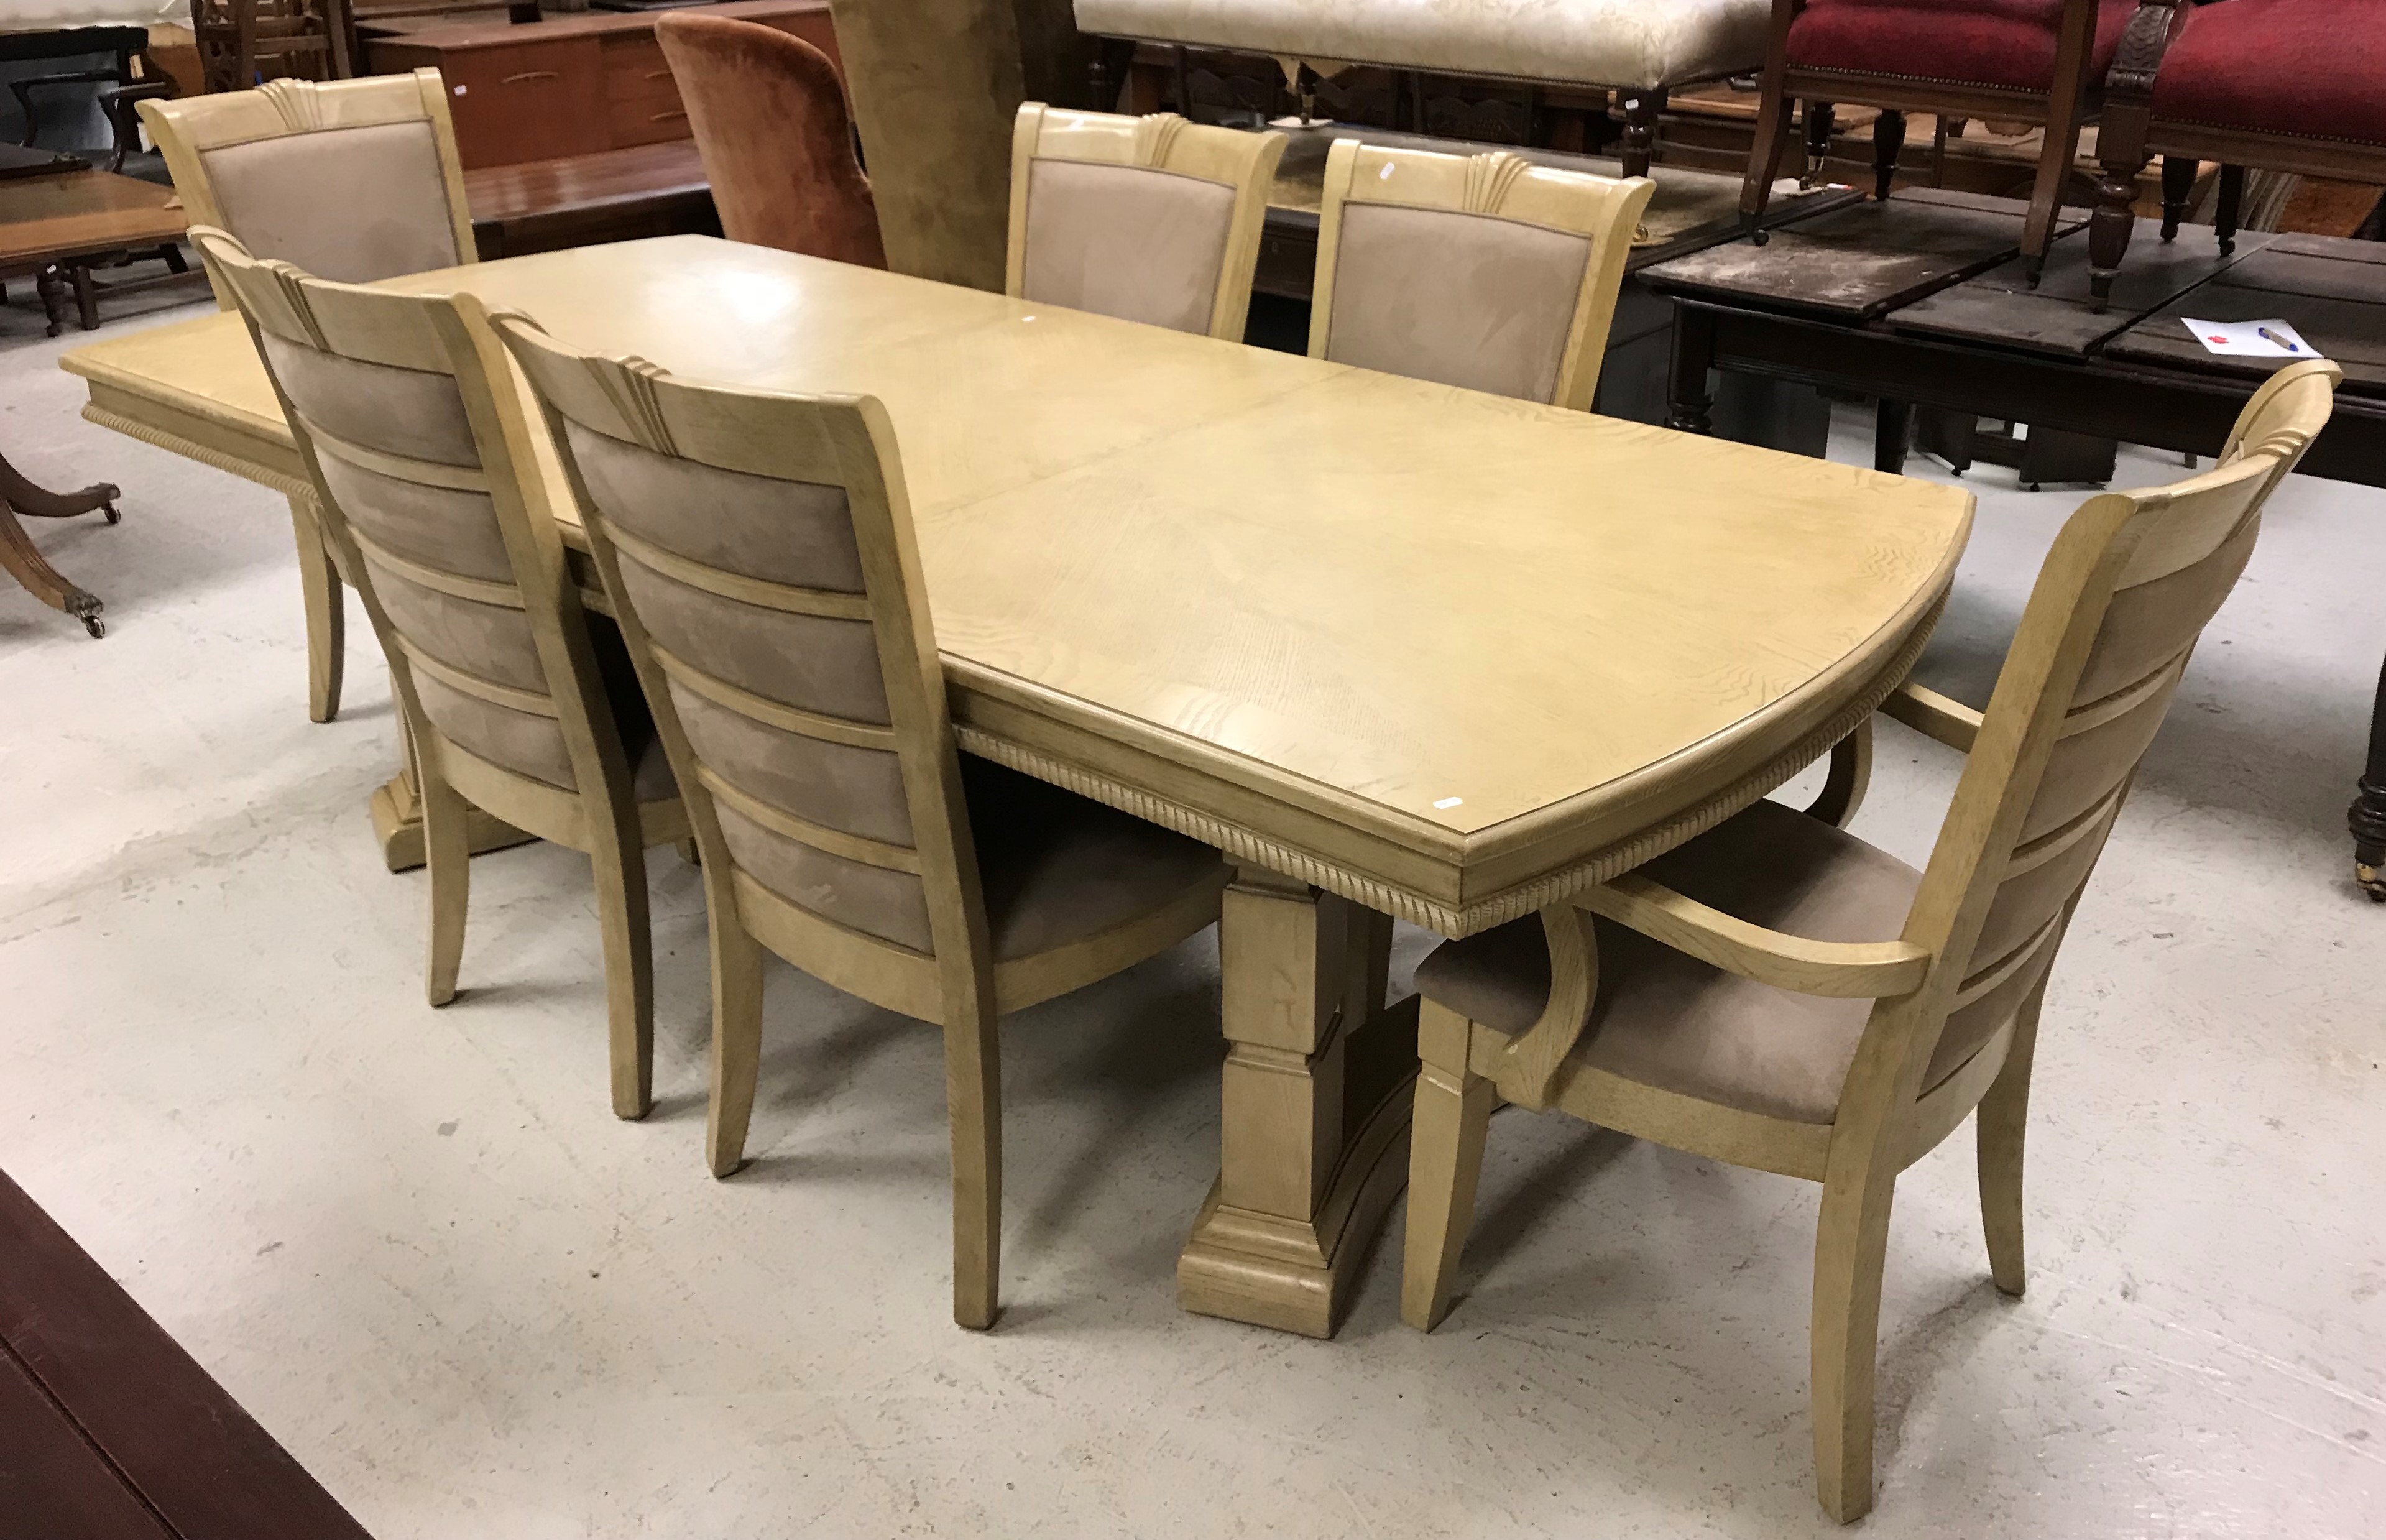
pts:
pixel 570 86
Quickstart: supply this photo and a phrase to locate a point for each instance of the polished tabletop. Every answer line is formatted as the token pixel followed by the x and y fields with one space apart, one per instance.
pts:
pixel 1434 649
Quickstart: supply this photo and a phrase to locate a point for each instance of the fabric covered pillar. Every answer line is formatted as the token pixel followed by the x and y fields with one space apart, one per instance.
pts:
pixel 936 85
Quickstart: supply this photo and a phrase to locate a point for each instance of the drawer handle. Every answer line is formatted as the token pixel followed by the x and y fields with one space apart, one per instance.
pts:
pixel 529 75
pixel 665 117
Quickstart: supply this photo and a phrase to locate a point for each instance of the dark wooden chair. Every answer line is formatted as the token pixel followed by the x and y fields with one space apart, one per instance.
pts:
pixel 2283 85
pixel 2020 61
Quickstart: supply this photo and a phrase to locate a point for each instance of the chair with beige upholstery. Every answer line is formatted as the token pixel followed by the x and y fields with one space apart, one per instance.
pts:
pixel 1153 218
pixel 1778 994
pixel 1483 271
pixel 758 550
pixel 352 181
pixel 429 486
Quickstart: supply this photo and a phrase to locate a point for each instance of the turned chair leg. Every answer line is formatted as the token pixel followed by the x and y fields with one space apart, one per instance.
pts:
pixel 737 1029
pixel 1640 113
pixel 2178 184
pixel 1445 1138
pixel 2115 219
pixel 1851 1246
pixel 974 1105
pixel 327 621
pixel 1888 143
pixel 2232 207
pixel 2003 1119
pixel 621 918
pixel 448 853
pixel 1819 117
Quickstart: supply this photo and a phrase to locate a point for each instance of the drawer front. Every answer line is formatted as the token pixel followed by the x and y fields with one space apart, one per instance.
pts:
pixel 642 102
pixel 526 101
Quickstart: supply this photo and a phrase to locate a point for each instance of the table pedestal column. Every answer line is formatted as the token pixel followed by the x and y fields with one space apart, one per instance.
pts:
pixel 1315 1102
pixel 396 811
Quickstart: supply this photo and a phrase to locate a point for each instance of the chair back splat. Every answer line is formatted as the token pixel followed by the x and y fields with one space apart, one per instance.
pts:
pixel 351 181
pixel 1152 219
pixel 1484 270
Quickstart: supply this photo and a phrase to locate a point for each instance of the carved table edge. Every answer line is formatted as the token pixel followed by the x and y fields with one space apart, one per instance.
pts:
pixel 189 448
pixel 1465 920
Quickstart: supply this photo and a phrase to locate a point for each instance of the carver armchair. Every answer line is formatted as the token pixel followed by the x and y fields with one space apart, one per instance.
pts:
pixel 1484 270
pixel 758 550
pixel 1781 994
pixel 425 470
pixel 2027 62
pixel 2283 85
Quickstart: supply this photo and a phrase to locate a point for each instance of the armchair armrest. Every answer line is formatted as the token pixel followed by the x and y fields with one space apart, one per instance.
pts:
pixel 1839 969
pixel 1934 715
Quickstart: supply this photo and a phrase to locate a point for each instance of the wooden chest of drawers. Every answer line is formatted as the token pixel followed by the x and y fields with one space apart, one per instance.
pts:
pixel 571 86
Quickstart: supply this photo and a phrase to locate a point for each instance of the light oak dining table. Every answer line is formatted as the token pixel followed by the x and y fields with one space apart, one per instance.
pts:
pixel 1396 649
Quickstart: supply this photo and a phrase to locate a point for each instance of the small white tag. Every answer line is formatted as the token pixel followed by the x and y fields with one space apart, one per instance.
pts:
pixel 1450 802
pixel 2250 339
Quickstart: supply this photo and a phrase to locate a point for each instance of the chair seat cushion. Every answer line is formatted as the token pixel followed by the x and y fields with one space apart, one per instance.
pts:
pixel 1642 42
pixel 1995 43
pixel 1058 868
pixel 1669 1021
pixel 2314 68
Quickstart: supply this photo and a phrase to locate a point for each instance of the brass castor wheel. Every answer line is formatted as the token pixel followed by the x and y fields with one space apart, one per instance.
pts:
pixel 114 514
pixel 83 608
pixel 2372 879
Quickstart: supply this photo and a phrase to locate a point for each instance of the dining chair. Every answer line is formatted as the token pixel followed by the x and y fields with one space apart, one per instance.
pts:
pixel 348 179
pixel 1149 218
pixel 1482 270
pixel 422 453
pixel 758 550
pixel 2283 85
pixel 2014 61
pixel 769 114
pixel 1781 994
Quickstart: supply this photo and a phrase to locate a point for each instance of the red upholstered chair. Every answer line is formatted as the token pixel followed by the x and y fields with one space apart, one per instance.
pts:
pixel 2286 85
pixel 2011 61
pixel 769 119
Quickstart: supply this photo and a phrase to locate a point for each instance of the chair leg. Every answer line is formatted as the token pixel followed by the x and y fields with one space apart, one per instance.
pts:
pixel 1764 159
pixel 2178 184
pixel 736 1030
pixel 2003 1119
pixel 973 1104
pixel 1819 117
pixel 621 917
pixel 1850 1244
pixel 1453 1112
pixel 448 854
pixel 2232 207
pixel 1888 143
pixel 2115 220
pixel 319 586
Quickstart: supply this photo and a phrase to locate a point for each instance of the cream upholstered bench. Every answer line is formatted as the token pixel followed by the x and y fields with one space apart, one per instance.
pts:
pixel 1640 47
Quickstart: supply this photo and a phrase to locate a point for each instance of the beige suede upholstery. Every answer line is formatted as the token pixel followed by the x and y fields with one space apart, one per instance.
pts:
pixel 354 204
pixel 1454 298
pixel 1134 242
pixel 1053 867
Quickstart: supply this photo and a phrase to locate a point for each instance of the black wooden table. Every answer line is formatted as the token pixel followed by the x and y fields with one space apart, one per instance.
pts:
pixel 1920 302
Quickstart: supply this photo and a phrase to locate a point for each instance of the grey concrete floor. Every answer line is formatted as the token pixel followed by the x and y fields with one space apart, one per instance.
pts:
pixel 416 1245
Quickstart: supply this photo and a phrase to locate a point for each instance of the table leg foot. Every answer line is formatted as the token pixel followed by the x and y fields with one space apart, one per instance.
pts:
pixel 1296 1275
pixel 397 826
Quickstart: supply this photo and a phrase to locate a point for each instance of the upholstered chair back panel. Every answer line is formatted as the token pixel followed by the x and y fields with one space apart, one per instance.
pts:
pixel 433 551
pixel 777 705
pixel 1132 241
pixel 353 204
pixel 1458 299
